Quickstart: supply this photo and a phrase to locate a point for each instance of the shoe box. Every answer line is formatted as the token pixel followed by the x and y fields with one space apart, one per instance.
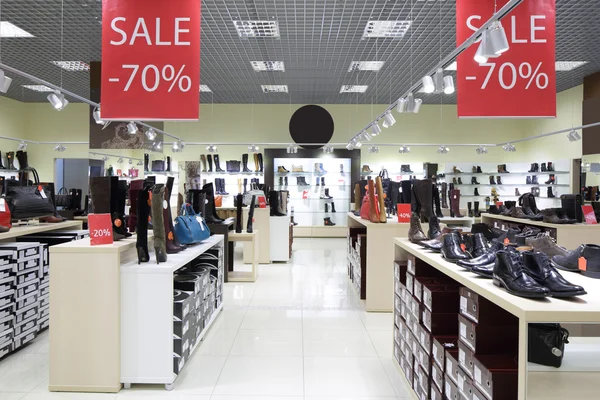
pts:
pixel 452 365
pixel 436 393
pixel 437 377
pixel 183 304
pixel 21 250
pixel 450 388
pixel 482 311
pixel 360 270
pixel 489 339
pixel 496 376
pixel 464 385
pixel 440 344
pixel 178 363
pixel 7 298
pixel 5 348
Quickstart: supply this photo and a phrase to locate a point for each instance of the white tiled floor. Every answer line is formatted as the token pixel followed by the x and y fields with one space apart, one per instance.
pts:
pixel 297 333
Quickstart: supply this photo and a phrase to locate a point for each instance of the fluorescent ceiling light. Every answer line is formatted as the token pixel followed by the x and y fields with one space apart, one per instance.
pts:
pixel 246 29
pixel 72 65
pixel 205 88
pixel 8 30
pixel 274 88
pixel 569 65
pixel 39 88
pixel 354 89
pixel 365 66
pixel 384 29
pixel 451 67
pixel 262 66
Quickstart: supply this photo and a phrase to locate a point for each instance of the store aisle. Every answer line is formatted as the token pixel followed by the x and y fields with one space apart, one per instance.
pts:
pixel 297 333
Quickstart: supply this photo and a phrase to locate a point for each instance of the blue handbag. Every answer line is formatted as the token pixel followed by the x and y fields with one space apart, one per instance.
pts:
pixel 190 228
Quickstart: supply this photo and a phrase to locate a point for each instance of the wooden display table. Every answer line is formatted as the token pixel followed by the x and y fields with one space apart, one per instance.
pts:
pixel 262 224
pixel 569 236
pixel 380 250
pixel 22 230
pixel 583 309
pixel 252 239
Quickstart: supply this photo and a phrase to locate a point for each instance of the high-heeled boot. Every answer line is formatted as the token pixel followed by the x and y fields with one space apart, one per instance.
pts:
pixel 171 228
pixel 118 201
pixel 238 216
pixel 143 215
pixel 380 198
pixel 158 224
pixel 373 217
pixel 203 162
pixel 210 216
pixel 134 189
pixel 210 162
pixel 11 159
pixel 436 197
pixel 217 163
pixel 455 204
pixel 250 223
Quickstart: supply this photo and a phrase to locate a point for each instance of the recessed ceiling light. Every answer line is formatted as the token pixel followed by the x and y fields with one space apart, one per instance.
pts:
pixel 246 29
pixel 354 89
pixel 205 88
pixel 38 88
pixel 10 30
pixel 261 66
pixel 72 65
pixel 569 65
pixel 365 66
pixel 384 29
pixel 451 67
pixel 274 88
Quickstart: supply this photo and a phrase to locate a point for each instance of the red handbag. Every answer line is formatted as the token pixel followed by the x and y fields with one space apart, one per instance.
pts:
pixel 4 214
pixel 364 208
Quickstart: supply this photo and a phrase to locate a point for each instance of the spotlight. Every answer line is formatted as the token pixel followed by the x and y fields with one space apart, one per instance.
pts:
pixel 157 145
pixel 151 134
pixel 573 136
pixel 481 150
pixel 178 146
pixel 120 160
pixel 443 150
pixel 57 100
pixel 401 108
pixel 428 85
pixel 292 149
pixel 357 143
pixel 22 146
pixel 497 38
pixel 97 117
pixel 448 84
pixel 211 148
pixel 438 81
pixel 366 136
pixel 376 129
pixel 140 163
pixel 373 150
pixel 5 82
pixel 60 148
pixel 404 150
pixel 389 120
pixel 132 128
pixel 328 149
pixel 413 105
pixel 509 147
pixel 253 149
pixel 104 158
pixel 350 146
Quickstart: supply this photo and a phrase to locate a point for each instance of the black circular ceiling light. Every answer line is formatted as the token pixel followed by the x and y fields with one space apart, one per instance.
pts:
pixel 311 124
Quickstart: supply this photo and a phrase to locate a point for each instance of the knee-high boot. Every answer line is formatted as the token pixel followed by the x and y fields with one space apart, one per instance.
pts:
pixel 373 217
pixel 380 198
pixel 158 224
pixel 143 214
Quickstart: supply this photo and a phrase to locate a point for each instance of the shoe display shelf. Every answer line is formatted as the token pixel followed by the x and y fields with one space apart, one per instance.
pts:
pixel 396 171
pixel 37 227
pixel 378 277
pixel 569 236
pixel 261 223
pixel 113 319
pixel 486 330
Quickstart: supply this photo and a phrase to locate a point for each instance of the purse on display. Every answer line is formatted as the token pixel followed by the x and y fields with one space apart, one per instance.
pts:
pixel 233 166
pixel 254 191
pixel 158 165
pixel 546 344
pixel 134 172
pixel 297 168
pixel 63 198
pixel 4 214
pixel 29 201
pixel 189 227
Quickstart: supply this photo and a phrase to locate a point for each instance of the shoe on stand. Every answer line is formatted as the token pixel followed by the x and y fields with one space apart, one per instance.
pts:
pixel 451 248
pixel 456 170
pixel 544 169
pixel 550 194
pixel 477 245
pixel 546 244
pixel 327 221
pixel 570 262
pixel 485 261
pixel 492 180
pixel 274 204
pixel 470 209
pixel 498 180
pixel 539 267
pixel 281 169
pixel 434 228
pixel 474 181
pixel 366 169
pixel 415 232
pixel 517 193
pixel 551 180
pixel 509 273
pixel 476 192
pixel 550 167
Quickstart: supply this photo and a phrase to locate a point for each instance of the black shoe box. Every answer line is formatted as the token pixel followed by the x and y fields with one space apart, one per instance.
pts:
pixel 45 289
pixel 436 394
pixel 424 339
pixel 44 323
pixel 25 325
pixel 441 298
pixel 439 346
pixel 465 359
pixel 178 363
pixel 26 289
pixel 21 250
pixel 187 283
pixel 419 268
pixel 477 394
pixel 424 382
pixel 452 365
pixel 44 301
pixel 5 349
pixel 7 323
pixel 482 311
pixel 400 269
pixel 7 298
pixel 437 377
pixel 424 360
pixel 6 284
pixel 450 388
pixel 183 304
pixel 48 239
pixel 181 327
pixel 182 345
pixel 28 275
pixel 488 339
pixel 202 272
pixel 440 323
pixel 7 267
pixel 496 376
pixel 464 385
pixel 7 310
pixel 6 336
pixel 29 263
pixel 27 313
pixel 43 312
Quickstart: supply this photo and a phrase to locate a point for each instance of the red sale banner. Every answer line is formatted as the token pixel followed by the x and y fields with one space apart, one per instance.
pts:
pixel 520 82
pixel 590 216
pixel 403 212
pixel 150 59
pixel 100 226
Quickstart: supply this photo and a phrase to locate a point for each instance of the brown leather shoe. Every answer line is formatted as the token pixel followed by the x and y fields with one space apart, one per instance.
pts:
pixel 517 212
pixel 51 219
pixel 415 233
pixel 546 244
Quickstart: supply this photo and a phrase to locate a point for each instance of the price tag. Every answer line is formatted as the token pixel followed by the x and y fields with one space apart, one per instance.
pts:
pixel 100 226
pixel 463 304
pixel 404 213
pixel 448 390
pixel 305 195
pixel 461 357
pixel 463 330
pixel 582 263
pixel 477 374
pixel 590 216
pixel 42 193
pixel 2 205
pixel 262 202
pixel 200 221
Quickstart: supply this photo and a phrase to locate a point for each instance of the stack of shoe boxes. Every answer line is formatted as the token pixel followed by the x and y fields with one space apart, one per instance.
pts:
pixel 25 260
pixel 7 302
pixel 44 291
pixel 357 259
pixel 487 349
pixel 425 318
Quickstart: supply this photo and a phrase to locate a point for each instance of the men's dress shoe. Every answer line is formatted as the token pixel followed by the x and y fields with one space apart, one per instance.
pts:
pixel 434 228
pixel 528 231
pixel 532 215
pixel 436 244
pixel 517 212
pixel 451 250
pixel 415 232
pixel 494 210
pixel 479 245
pixel 510 234
pixel 546 244
pixel 570 262
pixel 484 260
pixel 489 233
pixel 485 271
pixel 539 267
pixel 509 274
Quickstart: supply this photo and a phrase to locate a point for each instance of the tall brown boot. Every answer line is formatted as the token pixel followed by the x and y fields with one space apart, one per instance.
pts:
pixel 424 191
pixel 158 224
pixel 256 166
pixel 357 198
pixel 203 161
pixel 455 204
pixel 444 195
pixel 373 217
pixel 379 188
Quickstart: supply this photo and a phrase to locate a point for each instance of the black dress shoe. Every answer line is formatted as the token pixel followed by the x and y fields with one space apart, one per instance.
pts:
pixel 451 250
pixel 493 210
pixel 528 231
pixel 479 245
pixel 571 262
pixel 489 233
pixel 434 228
pixel 484 260
pixel 435 244
pixel 509 274
pixel 532 215
pixel 510 234
pixel 485 271
pixel 539 267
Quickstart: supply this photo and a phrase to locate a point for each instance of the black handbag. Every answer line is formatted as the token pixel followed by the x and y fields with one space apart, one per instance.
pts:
pixel 546 345
pixel 385 182
pixel 571 204
pixel 29 202
pixel 233 166
pixel 527 200
pixel 63 198
pixel 158 165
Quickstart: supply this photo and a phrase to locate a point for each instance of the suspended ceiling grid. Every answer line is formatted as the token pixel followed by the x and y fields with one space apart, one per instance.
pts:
pixel 319 39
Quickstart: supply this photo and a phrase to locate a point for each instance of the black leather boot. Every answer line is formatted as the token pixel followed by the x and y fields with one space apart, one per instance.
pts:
pixel 499 180
pixel 476 192
pixel 168 164
pixel 260 162
pixel 479 171
pixel 570 262
pixel 423 189
pixel 474 181
pixel 451 250
pixel 534 180
pixel 249 224
pixel 158 224
pixel 217 163
pixel 146 162
pixel 327 222
pixel 436 197
pixel 485 261
pixel 489 233
pixel 211 216
pixel 492 180
pixel 470 209
pixel 238 215
pixel 445 195
pixel 245 163
pixel 509 274
pixel 415 232
pixel 434 228
pixel 223 191
pixel 333 207
pixel 539 267
pixel 528 181
pixel 476 211
pixel 544 169
pixel 550 194
pixel 479 245
pixel 143 213
pixel 274 204
pixel 210 162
